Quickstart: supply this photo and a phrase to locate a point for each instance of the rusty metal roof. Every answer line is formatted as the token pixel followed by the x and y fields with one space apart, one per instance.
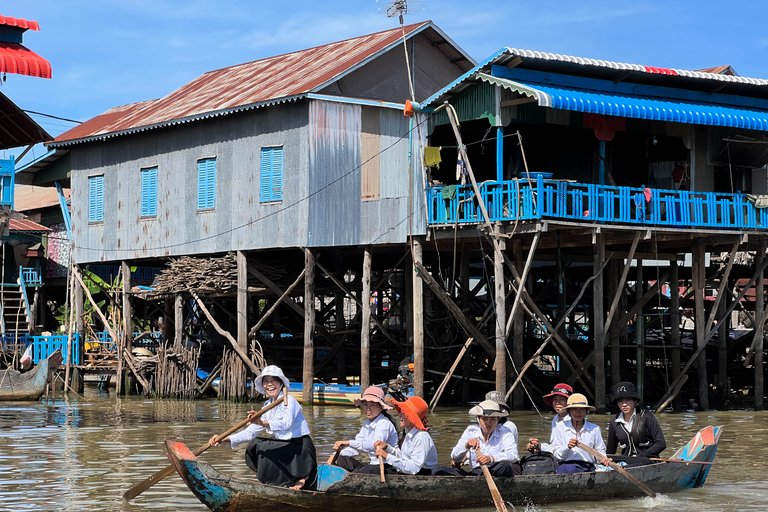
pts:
pixel 26 226
pixel 254 84
pixel 30 197
pixel 18 129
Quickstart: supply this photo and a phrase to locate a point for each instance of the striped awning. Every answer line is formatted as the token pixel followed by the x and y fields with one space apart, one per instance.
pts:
pixel 638 107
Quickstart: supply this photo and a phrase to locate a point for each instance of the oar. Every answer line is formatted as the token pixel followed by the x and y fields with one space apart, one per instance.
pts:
pixel 497 499
pixel 623 472
pixel 149 482
pixel 681 461
pixel 334 456
pixel 381 469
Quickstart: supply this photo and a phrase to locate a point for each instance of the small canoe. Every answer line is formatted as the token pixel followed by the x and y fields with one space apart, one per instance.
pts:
pixel 340 490
pixel 15 386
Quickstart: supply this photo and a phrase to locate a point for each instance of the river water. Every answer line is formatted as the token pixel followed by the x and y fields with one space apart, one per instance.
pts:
pixel 82 454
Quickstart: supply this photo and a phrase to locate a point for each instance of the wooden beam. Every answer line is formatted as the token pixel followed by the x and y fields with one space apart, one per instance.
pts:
pixel 255 329
pixel 417 253
pixel 622 281
pixel 178 316
pixel 448 375
pixel 365 328
pixel 308 369
pixel 757 341
pixel 500 306
pixel 699 286
pixel 518 342
pixel 242 299
pixel 599 326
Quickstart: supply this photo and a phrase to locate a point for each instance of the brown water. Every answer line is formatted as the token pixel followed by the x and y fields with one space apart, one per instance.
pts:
pixel 82 455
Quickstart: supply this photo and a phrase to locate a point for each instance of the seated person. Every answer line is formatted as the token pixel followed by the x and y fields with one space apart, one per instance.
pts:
pixel 378 426
pixel 557 399
pixel 570 434
pixel 635 430
pixel 488 443
pixel 417 455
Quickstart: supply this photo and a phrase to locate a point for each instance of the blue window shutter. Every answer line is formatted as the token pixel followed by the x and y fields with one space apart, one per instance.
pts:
pixel 149 192
pixel 271 174
pixel 206 183
pixel 95 198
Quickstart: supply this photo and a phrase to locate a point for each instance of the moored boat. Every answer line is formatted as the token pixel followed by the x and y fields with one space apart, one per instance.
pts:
pixel 15 386
pixel 340 489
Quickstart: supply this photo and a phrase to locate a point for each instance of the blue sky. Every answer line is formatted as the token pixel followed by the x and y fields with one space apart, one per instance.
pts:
pixel 106 53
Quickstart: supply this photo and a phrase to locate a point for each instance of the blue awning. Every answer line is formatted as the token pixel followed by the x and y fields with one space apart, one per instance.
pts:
pixel 638 107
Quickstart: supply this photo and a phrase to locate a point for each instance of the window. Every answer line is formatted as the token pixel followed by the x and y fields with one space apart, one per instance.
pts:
pixel 149 192
pixel 272 174
pixel 96 198
pixel 206 183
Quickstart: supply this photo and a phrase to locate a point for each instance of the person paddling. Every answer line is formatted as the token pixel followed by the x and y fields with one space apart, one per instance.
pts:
pixel 557 399
pixel 634 429
pixel 569 434
pixel 288 460
pixel 378 426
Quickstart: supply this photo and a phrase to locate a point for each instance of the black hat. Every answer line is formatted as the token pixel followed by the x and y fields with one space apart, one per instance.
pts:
pixel 624 390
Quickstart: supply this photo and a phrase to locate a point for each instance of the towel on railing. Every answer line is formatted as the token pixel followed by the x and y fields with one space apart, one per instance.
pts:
pixel 448 192
pixel 432 157
pixel 760 201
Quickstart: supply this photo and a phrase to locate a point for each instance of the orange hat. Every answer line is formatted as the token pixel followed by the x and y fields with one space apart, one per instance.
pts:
pixel 415 409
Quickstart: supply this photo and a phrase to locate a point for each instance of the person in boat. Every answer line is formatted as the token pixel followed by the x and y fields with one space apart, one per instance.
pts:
pixel 634 429
pixel 557 399
pixel 488 443
pixel 417 455
pixel 289 459
pixel 378 426
pixel 569 434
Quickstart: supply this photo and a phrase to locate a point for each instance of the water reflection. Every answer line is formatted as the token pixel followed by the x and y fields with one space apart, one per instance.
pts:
pixel 83 454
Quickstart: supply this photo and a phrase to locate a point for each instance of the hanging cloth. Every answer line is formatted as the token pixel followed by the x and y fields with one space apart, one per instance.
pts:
pixel 432 157
pixel 461 170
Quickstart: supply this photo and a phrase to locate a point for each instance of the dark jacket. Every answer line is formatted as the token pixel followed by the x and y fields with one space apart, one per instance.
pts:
pixel 645 440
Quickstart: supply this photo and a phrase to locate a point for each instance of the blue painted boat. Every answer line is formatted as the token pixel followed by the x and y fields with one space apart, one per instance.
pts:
pixel 340 490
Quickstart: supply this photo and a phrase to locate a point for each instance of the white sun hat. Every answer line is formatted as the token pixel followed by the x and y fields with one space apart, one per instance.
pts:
pixel 273 371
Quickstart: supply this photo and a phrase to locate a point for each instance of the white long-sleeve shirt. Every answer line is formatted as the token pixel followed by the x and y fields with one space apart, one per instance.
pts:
pixel 501 445
pixel 418 452
pixel 547 447
pixel 285 422
pixel 380 429
pixel 589 435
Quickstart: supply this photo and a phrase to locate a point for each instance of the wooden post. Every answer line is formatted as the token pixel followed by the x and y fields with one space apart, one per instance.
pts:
pixel 178 319
pixel 242 318
pixel 599 319
pixel 365 330
pixel 168 321
pixel 79 319
pixel 341 322
pixel 127 338
pixel 518 398
pixel 698 293
pixel 722 347
pixel 640 331
pixel 466 303
pixel 499 285
pixel 308 377
pixel 759 337
pixel 70 326
pixel 617 290
pixel 418 322
pixel 674 322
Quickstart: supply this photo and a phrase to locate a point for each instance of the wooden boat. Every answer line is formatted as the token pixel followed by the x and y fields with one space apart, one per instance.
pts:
pixel 15 386
pixel 338 489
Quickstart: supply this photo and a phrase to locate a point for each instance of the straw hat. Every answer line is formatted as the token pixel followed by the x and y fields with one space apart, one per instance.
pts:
pixel 272 371
pixel 373 394
pixel 415 409
pixel 562 389
pixel 488 408
pixel 577 400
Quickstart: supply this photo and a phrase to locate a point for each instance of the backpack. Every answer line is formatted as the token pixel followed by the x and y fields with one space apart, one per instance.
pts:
pixel 539 463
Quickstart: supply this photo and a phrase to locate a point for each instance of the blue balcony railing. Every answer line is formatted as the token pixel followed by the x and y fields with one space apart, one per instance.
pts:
pixel 556 199
pixel 30 276
pixel 43 346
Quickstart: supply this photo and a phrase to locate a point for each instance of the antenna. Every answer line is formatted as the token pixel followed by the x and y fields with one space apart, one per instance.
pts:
pixel 400 7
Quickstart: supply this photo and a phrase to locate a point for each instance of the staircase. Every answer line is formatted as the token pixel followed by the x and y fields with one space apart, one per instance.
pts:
pixel 15 316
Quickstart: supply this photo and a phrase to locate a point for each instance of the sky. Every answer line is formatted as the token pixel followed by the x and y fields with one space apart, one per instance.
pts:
pixel 106 53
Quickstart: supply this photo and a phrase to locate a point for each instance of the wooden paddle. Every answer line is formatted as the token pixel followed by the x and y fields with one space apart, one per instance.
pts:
pixel 149 482
pixel 381 469
pixel 334 456
pixel 497 499
pixel 681 461
pixel 623 472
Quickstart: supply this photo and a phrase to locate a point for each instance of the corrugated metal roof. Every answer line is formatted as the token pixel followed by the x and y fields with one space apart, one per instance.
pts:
pixel 255 84
pixel 18 59
pixel 30 197
pixel 18 22
pixel 26 226
pixel 720 70
pixel 635 106
pixel 18 129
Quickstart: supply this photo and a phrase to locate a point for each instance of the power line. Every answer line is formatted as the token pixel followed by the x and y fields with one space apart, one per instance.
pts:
pixel 52 116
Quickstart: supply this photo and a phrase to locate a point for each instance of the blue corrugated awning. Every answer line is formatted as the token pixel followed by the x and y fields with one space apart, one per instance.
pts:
pixel 639 107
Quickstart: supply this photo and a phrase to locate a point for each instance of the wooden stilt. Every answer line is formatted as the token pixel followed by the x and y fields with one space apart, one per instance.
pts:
pixel 640 331
pixel 168 321
pixel 501 320
pixel 242 320
pixel 178 319
pixel 674 322
pixel 273 308
pixel 308 377
pixel 518 398
pixel 365 329
pixel 79 307
pixel 126 342
pixel 466 303
pixel 448 375
pixel 757 349
pixel 613 334
pixel 418 322
pixel 70 327
pixel 722 348
pixel 698 285
pixel 599 319
pixel 340 320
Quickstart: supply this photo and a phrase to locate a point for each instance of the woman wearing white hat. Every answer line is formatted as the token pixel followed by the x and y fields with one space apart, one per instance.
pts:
pixel 288 460
pixel 569 434
pixel 487 443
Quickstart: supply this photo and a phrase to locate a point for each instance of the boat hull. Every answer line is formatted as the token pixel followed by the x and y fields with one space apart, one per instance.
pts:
pixel 402 492
pixel 15 386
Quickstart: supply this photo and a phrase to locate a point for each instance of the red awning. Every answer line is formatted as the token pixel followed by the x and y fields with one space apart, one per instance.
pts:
pixel 15 58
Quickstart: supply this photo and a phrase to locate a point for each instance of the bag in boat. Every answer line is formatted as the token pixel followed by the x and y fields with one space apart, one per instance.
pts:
pixel 539 463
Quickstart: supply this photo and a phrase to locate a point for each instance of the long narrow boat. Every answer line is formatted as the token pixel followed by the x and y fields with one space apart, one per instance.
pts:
pixel 15 386
pixel 338 489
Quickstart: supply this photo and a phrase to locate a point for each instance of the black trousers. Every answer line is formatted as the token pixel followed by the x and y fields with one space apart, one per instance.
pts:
pixel 283 462
pixel 502 468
